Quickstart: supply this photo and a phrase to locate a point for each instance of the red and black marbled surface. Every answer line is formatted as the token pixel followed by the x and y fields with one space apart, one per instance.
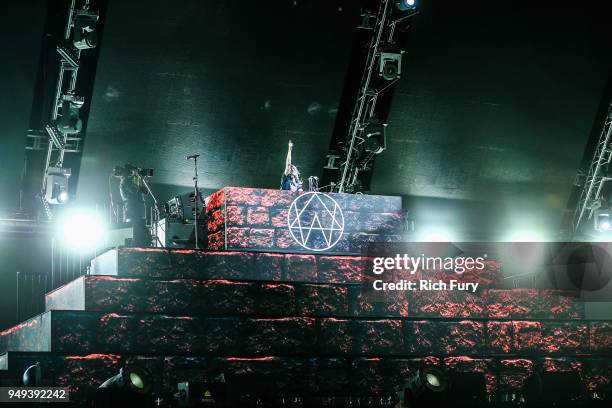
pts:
pixel 256 219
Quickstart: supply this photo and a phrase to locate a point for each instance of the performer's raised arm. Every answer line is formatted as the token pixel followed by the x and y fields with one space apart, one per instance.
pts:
pixel 288 160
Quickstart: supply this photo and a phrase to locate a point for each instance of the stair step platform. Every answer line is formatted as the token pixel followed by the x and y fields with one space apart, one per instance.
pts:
pixel 151 334
pixel 268 299
pixel 157 263
pixel 83 373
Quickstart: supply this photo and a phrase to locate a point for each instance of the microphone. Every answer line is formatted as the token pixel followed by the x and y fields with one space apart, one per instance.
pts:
pixel 193 156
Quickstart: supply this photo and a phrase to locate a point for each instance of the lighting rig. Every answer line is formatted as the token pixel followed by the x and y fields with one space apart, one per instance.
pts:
pixel 65 124
pixel 362 134
pixel 593 203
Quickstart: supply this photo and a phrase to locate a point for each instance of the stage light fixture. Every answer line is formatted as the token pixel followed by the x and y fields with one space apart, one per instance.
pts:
pixel 70 123
pixel 426 388
pixel 32 376
pixel 82 229
pixel 56 185
pixel 375 135
pixel 405 5
pixel 63 197
pixel 85 32
pixel 130 387
pixel 602 219
pixel 390 65
pixel 133 379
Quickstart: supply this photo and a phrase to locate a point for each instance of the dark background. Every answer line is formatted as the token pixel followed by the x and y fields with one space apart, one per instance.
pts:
pixel 487 128
pixel 486 132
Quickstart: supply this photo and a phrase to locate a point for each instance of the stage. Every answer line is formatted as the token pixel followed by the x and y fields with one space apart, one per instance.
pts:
pixel 303 319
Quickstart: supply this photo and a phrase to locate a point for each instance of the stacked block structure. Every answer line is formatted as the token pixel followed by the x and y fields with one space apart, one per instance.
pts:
pixel 301 318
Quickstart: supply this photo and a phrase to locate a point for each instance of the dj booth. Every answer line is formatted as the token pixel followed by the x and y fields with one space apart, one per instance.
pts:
pixel 284 221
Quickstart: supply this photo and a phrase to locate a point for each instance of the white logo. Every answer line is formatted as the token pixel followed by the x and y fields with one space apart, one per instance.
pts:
pixel 315 221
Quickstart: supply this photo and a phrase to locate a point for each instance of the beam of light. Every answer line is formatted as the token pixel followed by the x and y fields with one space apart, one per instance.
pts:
pixel 63 197
pixel 435 234
pixel 81 229
pixel 525 235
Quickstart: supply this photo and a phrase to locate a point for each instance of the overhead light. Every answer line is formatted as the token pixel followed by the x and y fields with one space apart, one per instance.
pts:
pixel 32 376
pixel 63 197
pixel 405 5
pixel 85 34
pixel 375 135
pixel 390 65
pixel 82 229
pixel 56 185
pixel 602 220
pixel 70 122
pixel 426 388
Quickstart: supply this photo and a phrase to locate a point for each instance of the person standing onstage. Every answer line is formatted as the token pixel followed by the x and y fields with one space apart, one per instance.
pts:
pixel 134 209
pixel 291 177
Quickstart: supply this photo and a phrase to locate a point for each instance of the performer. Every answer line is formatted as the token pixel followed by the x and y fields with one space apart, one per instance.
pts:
pixel 291 177
pixel 134 209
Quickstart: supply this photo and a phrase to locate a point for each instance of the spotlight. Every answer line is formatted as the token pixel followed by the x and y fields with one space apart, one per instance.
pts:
pixel 70 122
pixel 131 387
pixel 375 134
pixel 82 229
pixel 405 5
pixel 85 32
pixel 32 376
pixel 56 185
pixel 390 65
pixel 602 220
pixel 62 197
pixel 426 388
pixel 132 379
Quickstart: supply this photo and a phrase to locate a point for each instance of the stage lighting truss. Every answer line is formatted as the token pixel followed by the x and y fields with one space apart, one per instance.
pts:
pixel 382 70
pixel 80 33
pixel 596 177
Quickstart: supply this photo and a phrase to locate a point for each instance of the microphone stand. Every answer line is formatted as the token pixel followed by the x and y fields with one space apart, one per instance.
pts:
pixel 196 195
pixel 154 221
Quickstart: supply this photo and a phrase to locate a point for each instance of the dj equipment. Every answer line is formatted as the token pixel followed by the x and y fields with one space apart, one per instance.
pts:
pixel 173 234
pixel 183 208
